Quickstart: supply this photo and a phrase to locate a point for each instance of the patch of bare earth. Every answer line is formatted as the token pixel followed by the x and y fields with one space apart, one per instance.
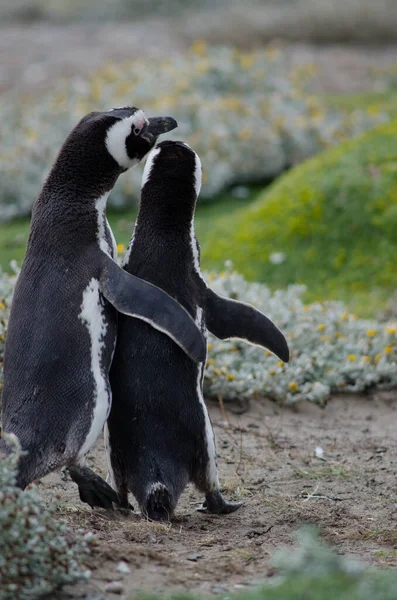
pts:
pixel 267 457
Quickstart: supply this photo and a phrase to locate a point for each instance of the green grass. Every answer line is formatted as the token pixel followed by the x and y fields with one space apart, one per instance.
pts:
pixel 371 102
pixel 334 218
pixel 14 235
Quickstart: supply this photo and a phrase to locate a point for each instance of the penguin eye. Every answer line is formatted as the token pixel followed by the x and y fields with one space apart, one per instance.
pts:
pixel 137 130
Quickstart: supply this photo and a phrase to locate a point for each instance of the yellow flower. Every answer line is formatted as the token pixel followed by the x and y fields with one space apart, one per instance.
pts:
pixel 203 67
pixel 245 133
pixel 388 350
pixel 267 353
pixel 211 276
pixel 371 332
pixel 344 316
pixel 339 335
pixel 366 358
pixel 209 346
pixel 321 327
pixel 271 52
pixel 247 61
pixel 217 372
pixel 372 110
pixel 2 306
pixel 392 330
pixel 272 372
pixel 351 357
pixel 199 47
pixel 211 361
pixel 293 386
pixel 120 248
pixel 378 357
pixel 230 377
pixel 280 363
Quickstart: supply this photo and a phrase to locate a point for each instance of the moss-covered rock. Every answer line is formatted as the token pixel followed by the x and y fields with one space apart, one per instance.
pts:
pixel 330 223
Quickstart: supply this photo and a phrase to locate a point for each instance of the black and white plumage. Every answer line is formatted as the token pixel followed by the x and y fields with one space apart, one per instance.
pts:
pixel 159 434
pixel 63 323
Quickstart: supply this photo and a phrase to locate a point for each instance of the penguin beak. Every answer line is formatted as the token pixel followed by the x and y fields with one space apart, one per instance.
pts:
pixel 159 125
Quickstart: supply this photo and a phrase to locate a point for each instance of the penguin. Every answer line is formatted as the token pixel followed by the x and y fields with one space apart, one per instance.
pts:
pixel 63 322
pixel 159 435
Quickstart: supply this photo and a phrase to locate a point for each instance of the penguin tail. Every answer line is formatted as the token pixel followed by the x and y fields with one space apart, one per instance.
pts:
pixel 159 504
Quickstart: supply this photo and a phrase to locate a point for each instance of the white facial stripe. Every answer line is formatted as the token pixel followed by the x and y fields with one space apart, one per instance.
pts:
pixel 212 470
pixel 198 174
pixel 117 135
pixel 149 165
pixel 126 258
pixel 104 227
pixel 93 318
pixel 114 244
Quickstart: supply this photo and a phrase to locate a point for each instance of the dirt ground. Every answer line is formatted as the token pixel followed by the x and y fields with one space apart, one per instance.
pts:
pixel 267 458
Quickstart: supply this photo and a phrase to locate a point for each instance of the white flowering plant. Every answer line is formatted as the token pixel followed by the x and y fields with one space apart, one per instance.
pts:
pixel 37 553
pixel 248 115
pixel 331 350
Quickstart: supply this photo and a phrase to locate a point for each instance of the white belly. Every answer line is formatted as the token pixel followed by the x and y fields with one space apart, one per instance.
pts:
pixel 92 315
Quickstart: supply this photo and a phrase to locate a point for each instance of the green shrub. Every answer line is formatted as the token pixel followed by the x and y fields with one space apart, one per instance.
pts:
pixel 246 114
pixel 37 554
pixel 330 223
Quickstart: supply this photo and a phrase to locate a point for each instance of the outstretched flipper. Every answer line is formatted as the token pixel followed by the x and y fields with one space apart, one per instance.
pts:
pixel 93 489
pixel 227 318
pixel 217 505
pixel 138 298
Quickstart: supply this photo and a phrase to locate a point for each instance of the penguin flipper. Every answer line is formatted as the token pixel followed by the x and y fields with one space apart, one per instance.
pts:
pixel 227 318
pixel 138 298
pixel 92 488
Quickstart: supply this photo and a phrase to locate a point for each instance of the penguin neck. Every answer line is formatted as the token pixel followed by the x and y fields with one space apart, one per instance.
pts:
pixel 78 183
pixel 166 212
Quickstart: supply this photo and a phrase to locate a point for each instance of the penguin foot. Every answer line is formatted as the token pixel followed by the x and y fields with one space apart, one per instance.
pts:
pixel 216 504
pixel 158 504
pixel 93 489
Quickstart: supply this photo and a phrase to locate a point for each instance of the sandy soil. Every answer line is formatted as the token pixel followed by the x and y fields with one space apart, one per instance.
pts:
pixel 267 459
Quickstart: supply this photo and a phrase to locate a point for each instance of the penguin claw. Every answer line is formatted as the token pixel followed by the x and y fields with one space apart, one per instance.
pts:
pixel 217 505
pixel 229 507
pixel 93 490
pixel 225 509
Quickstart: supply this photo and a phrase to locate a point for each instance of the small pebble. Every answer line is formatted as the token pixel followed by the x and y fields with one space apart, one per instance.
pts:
pixel 122 567
pixel 115 587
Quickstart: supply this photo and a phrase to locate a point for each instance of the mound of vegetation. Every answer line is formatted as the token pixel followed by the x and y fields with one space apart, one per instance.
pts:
pixel 330 223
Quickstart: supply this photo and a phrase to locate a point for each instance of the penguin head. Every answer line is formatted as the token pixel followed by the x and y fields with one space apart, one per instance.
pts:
pixel 174 167
pixel 133 135
pixel 126 134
